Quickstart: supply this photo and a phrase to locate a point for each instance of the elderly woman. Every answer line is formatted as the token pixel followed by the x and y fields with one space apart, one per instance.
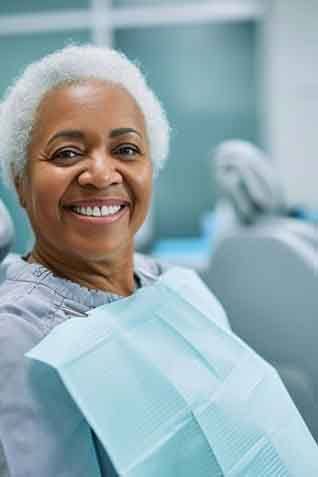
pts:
pixel 82 136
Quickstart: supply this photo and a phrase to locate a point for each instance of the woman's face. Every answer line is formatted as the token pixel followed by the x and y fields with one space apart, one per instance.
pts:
pixel 89 177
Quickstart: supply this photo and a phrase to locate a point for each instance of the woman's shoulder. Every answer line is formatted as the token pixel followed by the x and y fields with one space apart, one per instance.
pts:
pixel 19 330
pixel 13 294
pixel 22 300
pixel 19 314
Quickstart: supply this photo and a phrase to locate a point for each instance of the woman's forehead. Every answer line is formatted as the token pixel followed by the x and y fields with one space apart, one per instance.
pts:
pixel 90 102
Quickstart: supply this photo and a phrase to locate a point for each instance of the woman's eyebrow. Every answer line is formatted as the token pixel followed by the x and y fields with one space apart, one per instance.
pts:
pixel 119 131
pixel 67 134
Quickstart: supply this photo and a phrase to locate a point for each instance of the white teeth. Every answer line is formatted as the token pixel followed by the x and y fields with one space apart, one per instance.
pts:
pixel 104 210
pixel 98 211
pixel 109 210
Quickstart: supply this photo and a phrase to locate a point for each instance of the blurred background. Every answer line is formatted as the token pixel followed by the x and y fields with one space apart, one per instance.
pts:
pixel 223 69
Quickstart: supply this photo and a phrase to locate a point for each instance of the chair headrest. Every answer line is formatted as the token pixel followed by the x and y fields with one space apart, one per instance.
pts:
pixel 247 179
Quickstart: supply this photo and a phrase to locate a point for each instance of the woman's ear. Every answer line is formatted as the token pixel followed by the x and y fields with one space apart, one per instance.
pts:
pixel 20 187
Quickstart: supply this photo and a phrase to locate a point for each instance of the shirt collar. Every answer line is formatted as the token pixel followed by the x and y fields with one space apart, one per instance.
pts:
pixel 20 270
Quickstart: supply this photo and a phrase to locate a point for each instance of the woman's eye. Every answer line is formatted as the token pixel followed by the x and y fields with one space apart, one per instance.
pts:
pixel 66 155
pixel 127 151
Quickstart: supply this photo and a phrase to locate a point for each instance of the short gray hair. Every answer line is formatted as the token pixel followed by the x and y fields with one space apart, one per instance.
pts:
pixel 71 64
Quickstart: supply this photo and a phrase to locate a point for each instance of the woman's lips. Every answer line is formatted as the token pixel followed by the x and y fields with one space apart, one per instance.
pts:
pixel 99 211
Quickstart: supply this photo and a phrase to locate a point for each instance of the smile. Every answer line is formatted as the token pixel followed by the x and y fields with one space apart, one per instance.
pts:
pixel 96 211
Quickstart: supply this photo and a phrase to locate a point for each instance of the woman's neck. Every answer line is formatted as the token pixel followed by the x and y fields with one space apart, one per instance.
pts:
pixel 114 275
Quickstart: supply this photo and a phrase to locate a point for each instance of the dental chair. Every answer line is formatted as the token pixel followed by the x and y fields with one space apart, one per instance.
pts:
pixel 266 277
pixel 6 237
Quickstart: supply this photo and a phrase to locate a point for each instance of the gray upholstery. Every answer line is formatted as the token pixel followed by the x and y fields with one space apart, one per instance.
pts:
pixel 6 231
pixel 266 277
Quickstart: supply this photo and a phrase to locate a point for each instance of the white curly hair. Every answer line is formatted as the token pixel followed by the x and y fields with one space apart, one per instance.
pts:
pixel 72 64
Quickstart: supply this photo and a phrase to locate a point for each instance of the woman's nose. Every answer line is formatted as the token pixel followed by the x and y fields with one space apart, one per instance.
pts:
pixel 100 172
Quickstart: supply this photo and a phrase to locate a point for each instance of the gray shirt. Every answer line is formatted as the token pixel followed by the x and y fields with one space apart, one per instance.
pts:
pixel 36 438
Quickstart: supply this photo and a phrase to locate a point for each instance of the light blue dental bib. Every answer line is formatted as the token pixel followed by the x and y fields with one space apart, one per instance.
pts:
pixel 171 391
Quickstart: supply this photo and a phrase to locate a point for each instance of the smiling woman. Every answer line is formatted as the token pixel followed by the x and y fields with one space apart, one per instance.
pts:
pixel 88 173
pixel 83 136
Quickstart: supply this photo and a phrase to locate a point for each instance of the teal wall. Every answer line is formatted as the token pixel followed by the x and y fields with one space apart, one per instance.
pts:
pixel 8 7
pixel 205 75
